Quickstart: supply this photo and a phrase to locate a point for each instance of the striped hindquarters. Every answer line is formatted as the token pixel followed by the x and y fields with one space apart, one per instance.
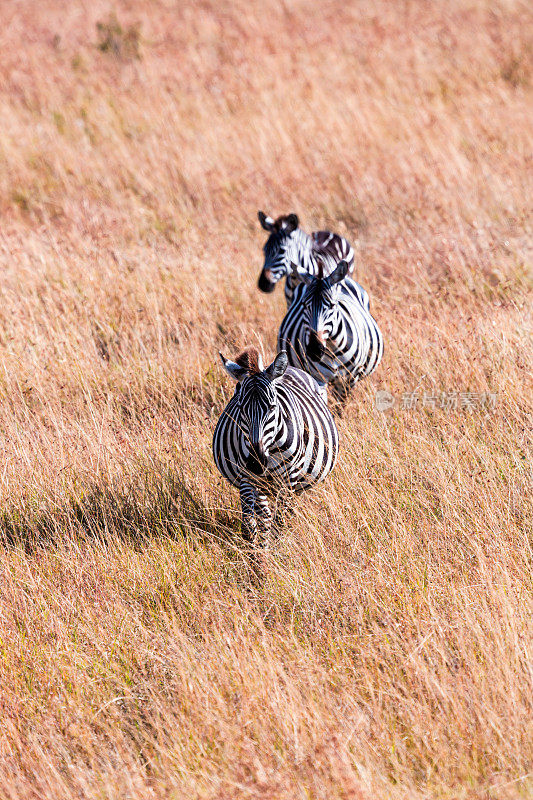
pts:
pixel 329 247
pixel 332 248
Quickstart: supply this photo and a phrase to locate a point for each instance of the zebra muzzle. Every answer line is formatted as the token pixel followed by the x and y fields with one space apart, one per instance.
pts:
pixel 257 460
pixel 265 282
pixel 316 345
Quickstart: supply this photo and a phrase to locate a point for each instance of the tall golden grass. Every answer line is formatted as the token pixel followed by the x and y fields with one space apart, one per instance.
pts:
pixel 387 653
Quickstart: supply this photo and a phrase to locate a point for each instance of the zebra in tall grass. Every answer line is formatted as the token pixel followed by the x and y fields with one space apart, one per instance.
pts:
pixel 329 330
pixel 288 246
pixel 275 433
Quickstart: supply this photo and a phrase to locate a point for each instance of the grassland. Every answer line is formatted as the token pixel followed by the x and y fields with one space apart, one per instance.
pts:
pixel 388 652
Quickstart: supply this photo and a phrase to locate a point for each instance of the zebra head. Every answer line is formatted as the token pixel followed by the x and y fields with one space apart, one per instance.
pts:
pixel 258 411
pixel 320 308
pixel 278 249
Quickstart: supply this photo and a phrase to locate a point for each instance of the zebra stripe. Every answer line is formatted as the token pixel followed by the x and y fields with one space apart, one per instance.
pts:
pixel 329 331
pixel 275 433
pixel 290 251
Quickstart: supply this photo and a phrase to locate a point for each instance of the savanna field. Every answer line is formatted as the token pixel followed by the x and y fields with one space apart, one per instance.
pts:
pixel 386 652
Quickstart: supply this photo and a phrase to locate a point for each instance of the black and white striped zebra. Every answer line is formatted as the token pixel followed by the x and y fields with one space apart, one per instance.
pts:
pixel 274 434
pixel 329 330
pixel 289 251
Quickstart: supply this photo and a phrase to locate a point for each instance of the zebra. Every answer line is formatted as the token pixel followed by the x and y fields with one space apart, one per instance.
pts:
pixel 289 245
pixel 329 330
pixel 275 434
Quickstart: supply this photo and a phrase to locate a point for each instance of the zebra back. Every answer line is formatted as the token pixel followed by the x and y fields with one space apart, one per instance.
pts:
pixel 321 247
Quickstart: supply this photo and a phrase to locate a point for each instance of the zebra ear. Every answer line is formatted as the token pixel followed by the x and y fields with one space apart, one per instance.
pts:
pixel 266 222
pixel 306 277
pixel 234 370
pixel 339 273
pixel 278 366
pixel 300 274
pixel 291 223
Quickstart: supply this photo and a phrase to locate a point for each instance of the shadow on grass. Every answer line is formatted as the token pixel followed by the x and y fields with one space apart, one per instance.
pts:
pixel 162 506
pixel 166 508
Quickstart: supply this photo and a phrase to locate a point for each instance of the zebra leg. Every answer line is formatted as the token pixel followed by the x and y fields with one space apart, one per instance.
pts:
pixel 256 515
pixel 249 522
pixel 341 388
pixel 264 520
pixel 282 511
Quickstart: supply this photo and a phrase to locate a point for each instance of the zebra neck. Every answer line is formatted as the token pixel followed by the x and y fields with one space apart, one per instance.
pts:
pixel 302 245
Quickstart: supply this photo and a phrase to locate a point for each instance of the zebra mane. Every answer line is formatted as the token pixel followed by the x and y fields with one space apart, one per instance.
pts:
pixel 250 360
pixel 320 265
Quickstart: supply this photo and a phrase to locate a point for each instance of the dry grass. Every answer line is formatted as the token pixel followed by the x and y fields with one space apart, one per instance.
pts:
pixel 388 653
